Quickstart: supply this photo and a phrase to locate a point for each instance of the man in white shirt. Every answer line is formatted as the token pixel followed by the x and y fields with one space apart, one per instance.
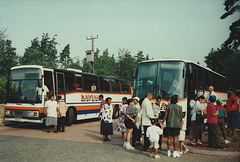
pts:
pixel 51 109
pixel 211 93
pixel 147 114
pixel 45 90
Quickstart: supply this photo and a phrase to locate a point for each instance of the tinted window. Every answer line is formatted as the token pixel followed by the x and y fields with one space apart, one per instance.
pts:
pixel 69 79
pixel 90 82
pixel 115 85
pixel 104 84
pixel 124 86
pixel 79 84
pixel 30 73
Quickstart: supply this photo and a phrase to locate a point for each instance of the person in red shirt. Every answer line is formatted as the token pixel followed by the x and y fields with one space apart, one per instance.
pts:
pixel 212 119
pixel 232 112
pixel 103 102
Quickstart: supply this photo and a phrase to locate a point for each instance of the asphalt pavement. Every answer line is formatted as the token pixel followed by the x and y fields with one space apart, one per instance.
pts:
pixel 20 148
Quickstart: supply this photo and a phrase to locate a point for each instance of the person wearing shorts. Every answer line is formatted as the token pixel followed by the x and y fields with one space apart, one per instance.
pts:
pixel 153 133
pixel 51 109
pixel 173 118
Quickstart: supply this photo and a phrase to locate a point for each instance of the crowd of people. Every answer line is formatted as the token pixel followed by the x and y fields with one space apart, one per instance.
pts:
pixel 155 120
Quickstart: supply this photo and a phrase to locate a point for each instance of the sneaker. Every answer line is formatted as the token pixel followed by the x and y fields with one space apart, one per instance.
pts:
pixel 169 153
pixel 187 150
pixel 180 152
pixel 227 141
pixel 156 156
pixel 129 147
pixel 124 145
pixel 175 154
pixel 151 154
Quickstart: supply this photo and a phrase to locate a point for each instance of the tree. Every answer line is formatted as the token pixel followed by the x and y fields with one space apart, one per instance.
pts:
pixel 65 56
pixel 233 41
pixel 42 52
pixel 140 57
pixel 105 64
pixel 225 61
pixel 126 64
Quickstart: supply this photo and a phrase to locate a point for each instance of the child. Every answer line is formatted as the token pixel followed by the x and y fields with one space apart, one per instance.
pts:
pixel 153 133
pixel 221 122
pixel 137 131
pixel 181 137
pixel 212 119
pixel 129 123
pixel 121 126
pixel 106 119
pixel 62 114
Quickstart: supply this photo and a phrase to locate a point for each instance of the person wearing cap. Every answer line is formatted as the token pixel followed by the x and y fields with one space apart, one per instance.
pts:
pixel 213 130
pixel 221 122
pixel 232 112
pixel 137 131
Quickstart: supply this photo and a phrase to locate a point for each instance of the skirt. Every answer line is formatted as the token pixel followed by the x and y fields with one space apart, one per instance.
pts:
pixel 106 128
pixel 233 119
pixel 51 120
pixel 195 130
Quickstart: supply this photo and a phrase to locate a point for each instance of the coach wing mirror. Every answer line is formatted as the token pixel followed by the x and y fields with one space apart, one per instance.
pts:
pixel 134 73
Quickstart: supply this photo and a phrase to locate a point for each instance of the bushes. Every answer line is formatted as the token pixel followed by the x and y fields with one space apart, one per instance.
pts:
pixel 3 81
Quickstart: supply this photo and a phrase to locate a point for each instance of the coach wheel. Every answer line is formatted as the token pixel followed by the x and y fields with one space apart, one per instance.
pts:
pixel 115 112
pixel 70 117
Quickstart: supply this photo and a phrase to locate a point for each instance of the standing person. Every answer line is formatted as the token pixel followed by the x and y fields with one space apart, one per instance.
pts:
pixel 221 123
pixel 158 111
pixel 197 120
pixel 211 93
pixel 153 133
pixel 103 102
pixel 147 115
pixel 213 130
pixel 173 117
pixel 41 90
pixel 193 119
pixel 62 114
pixel 137 131
pixel 121 126
pixel 106 119
pixel 181 136
pixel 51 109
pixel 129 123
pixel 232 112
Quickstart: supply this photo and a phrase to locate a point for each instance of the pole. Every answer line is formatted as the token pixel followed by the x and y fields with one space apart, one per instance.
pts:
pixel 92 38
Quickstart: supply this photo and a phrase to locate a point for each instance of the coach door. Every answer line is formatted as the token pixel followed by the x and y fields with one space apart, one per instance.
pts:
pixel 60 85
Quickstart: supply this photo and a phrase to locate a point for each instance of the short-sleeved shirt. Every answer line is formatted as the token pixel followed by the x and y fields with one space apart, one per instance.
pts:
pixel 62 108
pixel 106 113
pixel 174 117
pixel 153 133
pixel 130 111
pixel 229 103
pixel 51 108
pixel 102 103
pixel 211 109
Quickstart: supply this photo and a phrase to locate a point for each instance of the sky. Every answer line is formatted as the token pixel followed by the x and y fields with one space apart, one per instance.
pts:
pixel 181 29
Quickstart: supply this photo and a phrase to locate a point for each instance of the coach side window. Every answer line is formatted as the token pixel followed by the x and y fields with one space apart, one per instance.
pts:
pixel 115 85
pixel 90 82
pixel 79 84
pixel 104 84
pixel 124 86
pixel 69 79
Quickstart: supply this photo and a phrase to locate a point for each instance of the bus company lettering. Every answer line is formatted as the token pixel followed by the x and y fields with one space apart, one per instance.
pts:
pixel 89 97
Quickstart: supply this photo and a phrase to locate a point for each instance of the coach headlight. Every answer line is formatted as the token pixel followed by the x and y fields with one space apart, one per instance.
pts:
pixel 7 112
pixel 32 113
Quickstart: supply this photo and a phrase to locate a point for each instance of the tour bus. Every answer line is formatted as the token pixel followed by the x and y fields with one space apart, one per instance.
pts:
pixel 26 97
pixel 167 77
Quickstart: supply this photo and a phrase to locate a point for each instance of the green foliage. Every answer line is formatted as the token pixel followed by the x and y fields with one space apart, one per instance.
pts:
pixel 225 61
pixel 126 63
pixel 8 57
pixel 65 56
pixel 233 41
pixel 3 81
pixel 42 52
